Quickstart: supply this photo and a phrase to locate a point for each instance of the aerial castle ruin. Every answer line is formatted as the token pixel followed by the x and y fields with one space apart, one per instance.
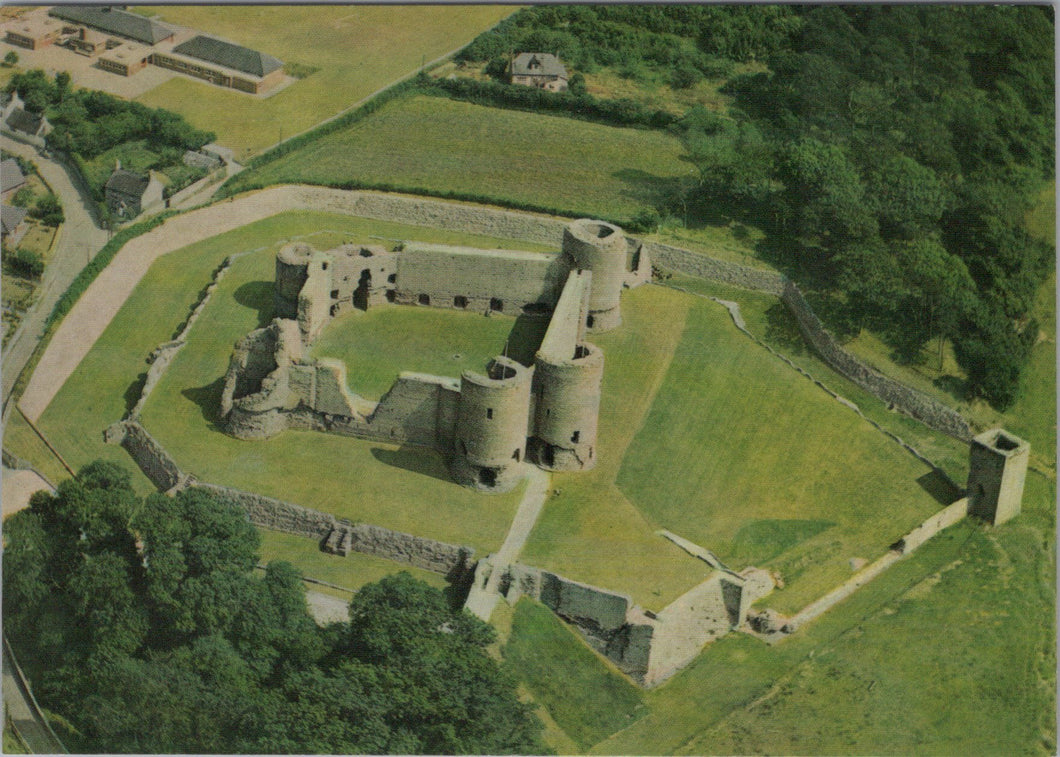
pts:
pixel 542 411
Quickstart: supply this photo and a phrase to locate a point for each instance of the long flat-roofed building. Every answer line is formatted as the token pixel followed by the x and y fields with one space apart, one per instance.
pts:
pixel 224 63
pixel 115 21
pixel 34 32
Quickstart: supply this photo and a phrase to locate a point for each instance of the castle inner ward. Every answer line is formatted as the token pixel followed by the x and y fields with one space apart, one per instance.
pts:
pixel 486 424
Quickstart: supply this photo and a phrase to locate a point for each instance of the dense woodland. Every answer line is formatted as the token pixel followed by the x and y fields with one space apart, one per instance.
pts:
pixel 889 152
pixel 144 624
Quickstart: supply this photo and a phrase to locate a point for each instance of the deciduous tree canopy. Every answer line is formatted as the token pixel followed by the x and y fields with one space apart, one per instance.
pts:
pixel 151 633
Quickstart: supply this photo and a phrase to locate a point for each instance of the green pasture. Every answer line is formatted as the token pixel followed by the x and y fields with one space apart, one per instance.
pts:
pixel 587 698
pixel 296 466
pixel 966 621
pixel 378 344
pixel 440 145
pixel 350 572
pixel 351 52
pixel 745 457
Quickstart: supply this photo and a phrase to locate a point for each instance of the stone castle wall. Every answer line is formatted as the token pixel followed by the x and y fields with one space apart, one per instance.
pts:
pixel 941 520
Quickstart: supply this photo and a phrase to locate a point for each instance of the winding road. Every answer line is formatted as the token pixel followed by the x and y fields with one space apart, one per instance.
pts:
pixel 79 240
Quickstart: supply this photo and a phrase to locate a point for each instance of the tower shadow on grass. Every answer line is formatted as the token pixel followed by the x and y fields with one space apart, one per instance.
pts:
pixel 208 398
pixel 940 487
pixel 257 295
pixel 419 460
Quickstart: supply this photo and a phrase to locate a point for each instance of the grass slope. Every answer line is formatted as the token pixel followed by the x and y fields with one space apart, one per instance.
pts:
pixel 951 651
pixel 355 49
pixel 443 145
pixel 763 468
pixel 586 697
pixel 588 530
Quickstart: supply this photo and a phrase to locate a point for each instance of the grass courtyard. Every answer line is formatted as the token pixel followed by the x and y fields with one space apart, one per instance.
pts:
pixel 441 145
pixel 378 344
pixel 352 51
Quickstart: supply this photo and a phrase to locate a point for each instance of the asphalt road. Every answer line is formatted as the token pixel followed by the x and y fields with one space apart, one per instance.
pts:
pixel 79 240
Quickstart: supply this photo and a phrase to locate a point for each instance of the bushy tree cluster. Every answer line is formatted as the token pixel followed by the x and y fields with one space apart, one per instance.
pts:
pixel 88 122
pixel 151 634
pixel 893 151
pixel 689 41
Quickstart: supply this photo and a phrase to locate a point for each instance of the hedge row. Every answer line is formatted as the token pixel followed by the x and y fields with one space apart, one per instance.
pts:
pixel 640 223
pixel 99 262
pixel 621 112
pixel 346 119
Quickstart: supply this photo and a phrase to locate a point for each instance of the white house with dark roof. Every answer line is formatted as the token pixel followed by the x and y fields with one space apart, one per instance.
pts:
pixel 541 70
pixel 128 193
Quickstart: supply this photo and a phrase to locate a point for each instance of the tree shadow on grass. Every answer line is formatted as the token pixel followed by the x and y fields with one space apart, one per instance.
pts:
pixel 940 487
pixel 415 459
pixel 650 190
pixel 208 398
pixel 258 295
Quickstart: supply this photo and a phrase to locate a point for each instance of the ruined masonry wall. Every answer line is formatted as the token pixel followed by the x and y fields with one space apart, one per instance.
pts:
pixel 941 520
pixel 920 406
pixel 151 457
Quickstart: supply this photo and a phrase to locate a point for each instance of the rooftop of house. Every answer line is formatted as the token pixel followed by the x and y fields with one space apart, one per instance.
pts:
pixel 229 55
pixel 537 64
pixel 24 121
pixel 128 182
pixel 116 21
pixel 10 175
pixel 11 217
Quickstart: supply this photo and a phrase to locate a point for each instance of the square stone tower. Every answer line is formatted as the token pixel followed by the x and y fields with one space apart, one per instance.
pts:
pixel 997 470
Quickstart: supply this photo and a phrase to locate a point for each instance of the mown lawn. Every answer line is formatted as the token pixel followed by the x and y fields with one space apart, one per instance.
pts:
pixel 744 456
pixel 587 698
pixel 378 344
pixel 441 145
pixel 355 50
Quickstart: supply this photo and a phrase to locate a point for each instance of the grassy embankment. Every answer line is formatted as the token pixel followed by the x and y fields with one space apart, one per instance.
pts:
pixel 437 145
pixel 349 52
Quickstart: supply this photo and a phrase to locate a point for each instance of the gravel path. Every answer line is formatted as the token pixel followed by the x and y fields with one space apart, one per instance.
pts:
pixel 325 608
pixel 17 487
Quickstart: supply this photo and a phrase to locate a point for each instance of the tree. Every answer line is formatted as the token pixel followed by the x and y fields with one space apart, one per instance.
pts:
pixel 49 210
pixel 11 58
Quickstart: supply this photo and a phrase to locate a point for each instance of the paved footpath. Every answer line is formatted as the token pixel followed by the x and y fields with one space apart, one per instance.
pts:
pixel 482 599
pixel 79 240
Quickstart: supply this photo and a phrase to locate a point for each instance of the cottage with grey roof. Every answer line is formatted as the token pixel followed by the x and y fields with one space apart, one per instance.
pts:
pixel 128 193
pixel 11 178
pixel 13 224
pixel 541 70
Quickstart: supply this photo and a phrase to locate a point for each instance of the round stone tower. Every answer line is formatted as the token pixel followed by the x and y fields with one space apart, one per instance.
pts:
pixel 601 248
pixel 564 433
pixel 489 438
pixel 292 270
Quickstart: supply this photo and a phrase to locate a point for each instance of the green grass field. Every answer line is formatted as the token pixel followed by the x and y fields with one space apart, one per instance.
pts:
pixel 378 344
pixel 355 49
pixel 442 145
pixel 586 698
pixel 758 465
